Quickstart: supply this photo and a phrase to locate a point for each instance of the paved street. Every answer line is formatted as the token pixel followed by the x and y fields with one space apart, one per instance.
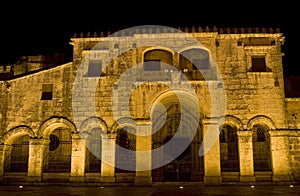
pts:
pixel 283 190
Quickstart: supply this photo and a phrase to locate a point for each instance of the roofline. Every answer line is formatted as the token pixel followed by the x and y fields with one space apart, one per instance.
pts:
pixel 39 71
pixel 158 30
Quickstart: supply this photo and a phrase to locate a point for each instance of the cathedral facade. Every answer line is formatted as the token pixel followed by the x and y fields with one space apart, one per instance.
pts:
pixel 154 104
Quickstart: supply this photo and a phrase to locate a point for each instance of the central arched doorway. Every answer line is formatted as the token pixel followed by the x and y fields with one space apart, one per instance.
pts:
pixel 188 166
pixel 181 167
pixel 185 164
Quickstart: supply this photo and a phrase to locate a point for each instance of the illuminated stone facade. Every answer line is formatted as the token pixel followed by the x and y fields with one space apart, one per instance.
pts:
pixel 43 141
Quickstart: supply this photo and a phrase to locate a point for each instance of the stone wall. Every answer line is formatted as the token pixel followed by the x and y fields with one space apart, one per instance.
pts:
pixel 293 112
pixel 251 93
pixel 294 141
pixel 293 120
pixel 21 103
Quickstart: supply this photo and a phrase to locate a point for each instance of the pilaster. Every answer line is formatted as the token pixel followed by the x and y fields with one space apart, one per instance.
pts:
pixel 212 166
pixel 108 159
pixel 143 154
pixel 245 148
pixel 78 159
pixel 35 162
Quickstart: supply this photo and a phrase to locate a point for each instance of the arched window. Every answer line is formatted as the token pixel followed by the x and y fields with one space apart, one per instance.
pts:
pixel 229 149
pixel 196 64
pixel 125 151
pixel 195 59
pixel 17 161
pixel 57 157
pixel 154 58
pixel 261 148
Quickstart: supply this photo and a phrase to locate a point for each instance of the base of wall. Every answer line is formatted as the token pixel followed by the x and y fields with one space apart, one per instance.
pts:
pixel 107 179
pixel 56 177
pixel 247 178
pixel 93 179
pixel 15 176
pixel 212 180
pixel 77 179
pixel 230 176
pixel 282 178
pixel 143 181
pixel 34 178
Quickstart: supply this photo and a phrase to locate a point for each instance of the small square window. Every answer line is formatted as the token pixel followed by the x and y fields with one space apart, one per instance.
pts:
pixel 47 92
pixel 152 65
pixel 94 68
pixel 258 64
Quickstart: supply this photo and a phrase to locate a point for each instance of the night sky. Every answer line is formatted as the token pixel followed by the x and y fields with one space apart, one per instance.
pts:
pixel 46 28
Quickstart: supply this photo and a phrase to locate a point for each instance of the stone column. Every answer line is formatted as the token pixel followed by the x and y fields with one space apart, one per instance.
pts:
pixel 108 158
pixel 280 156
pixel 36 158
pixel 245 148
pixel 212 166
pixel 78 159
pixel 143 153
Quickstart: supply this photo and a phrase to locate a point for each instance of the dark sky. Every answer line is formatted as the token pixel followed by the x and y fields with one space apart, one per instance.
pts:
pixel 46 28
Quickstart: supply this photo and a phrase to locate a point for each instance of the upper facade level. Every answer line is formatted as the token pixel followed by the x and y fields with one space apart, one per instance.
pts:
pixel 199 53
pixel 246 63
